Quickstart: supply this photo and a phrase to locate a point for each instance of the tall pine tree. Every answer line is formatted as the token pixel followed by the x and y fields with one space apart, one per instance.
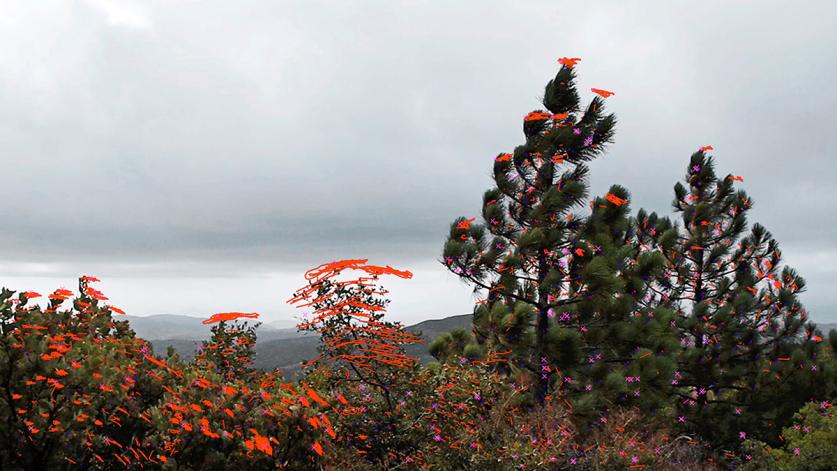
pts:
pixel 550 289
pixel 743 330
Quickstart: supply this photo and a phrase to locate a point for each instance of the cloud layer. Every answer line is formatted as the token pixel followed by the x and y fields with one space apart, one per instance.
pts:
pixel 215 139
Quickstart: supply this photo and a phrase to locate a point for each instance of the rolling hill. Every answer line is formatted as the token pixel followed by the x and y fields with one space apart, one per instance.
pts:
pixel 825 328
pixel 176 327
pixel 287 354
pixel 281 348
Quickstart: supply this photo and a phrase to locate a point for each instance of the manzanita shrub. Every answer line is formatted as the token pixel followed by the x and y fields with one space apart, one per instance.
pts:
pixel 79 390
pixel 362 356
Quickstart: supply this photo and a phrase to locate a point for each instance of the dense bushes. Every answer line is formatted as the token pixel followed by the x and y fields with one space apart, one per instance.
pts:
pixel 809 444
pixel 78 389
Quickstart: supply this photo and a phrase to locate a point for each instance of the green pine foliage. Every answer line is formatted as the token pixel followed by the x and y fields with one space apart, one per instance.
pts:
pixel 563 292
pixel 525 255
pixel 456 345
pixel 627 346
pixel 743 331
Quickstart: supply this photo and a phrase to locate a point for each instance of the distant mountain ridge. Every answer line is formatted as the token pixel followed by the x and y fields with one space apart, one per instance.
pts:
pixel 275 348
pixel 178 327
pixel 827 327
pixel 285 348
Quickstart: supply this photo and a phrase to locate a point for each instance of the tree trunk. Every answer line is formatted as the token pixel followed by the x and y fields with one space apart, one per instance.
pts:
pixel 540 349
pixel 540 334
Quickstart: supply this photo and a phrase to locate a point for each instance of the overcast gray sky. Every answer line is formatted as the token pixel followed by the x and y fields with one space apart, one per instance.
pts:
pixel 200 156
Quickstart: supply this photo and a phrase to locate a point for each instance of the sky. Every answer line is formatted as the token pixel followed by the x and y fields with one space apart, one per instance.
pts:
pixel 199 157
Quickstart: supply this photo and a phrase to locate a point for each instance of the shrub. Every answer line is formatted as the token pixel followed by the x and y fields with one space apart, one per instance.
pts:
pixel 810 443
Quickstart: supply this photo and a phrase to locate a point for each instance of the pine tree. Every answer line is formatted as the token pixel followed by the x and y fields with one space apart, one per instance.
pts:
pixel 457 344
pixel 550 289
pixel 627 344
pixel 741 324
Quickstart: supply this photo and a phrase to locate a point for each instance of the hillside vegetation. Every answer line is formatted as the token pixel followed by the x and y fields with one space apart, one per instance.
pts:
pixel 602 338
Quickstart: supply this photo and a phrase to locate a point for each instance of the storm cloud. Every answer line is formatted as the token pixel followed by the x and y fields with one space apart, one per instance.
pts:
pixel 204 154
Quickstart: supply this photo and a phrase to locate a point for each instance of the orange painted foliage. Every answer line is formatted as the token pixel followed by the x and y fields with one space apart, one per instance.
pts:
pixel 537 116
pixel 349 317
pixel 466 224
pixel 229 316
pixel 569 62
pixel 100 411
pixel 615 199
pixel 602 93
